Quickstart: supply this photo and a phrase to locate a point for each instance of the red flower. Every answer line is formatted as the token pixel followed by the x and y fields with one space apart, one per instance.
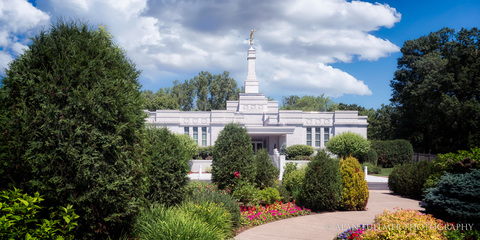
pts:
pixel 237 174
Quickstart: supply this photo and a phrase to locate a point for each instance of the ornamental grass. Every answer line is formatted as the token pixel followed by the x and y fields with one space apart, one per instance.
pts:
pixel 257 215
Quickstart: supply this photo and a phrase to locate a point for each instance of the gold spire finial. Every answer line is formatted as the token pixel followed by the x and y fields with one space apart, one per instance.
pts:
pixel 251 36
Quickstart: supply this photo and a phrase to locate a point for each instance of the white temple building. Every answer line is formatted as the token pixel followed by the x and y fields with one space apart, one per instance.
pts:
pixel 268 126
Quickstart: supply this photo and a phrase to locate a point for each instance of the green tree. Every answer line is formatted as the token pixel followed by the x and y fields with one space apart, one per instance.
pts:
pixel 348 143
pixel 167 156
pixel 72 125
pixel 436 91
pixel 266 172
pixel 308 103
pixel 232 153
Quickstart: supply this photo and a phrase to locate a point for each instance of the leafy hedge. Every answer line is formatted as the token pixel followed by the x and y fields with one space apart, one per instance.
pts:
pixel 322 185
pixel 204 152
pixel 393 152
pixel 299 150
pixel 456 198
pixel 408 179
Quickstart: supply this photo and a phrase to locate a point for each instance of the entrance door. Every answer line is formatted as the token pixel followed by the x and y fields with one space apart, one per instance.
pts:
pixel 257 145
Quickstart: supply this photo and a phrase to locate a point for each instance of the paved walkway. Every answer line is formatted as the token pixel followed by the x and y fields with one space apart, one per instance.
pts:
pixel 208 176
pixel 328 225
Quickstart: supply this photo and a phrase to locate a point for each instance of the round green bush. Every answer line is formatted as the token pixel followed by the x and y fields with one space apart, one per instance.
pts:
pixel 233 153
pixel 269 195
pixel 348 143
pixel 408 179
pixel 166 156
pixel 299 150
pixel 370 157
pixel 393 152
pixel 355 190
pixel 322 185
pixel 267 173
pixel 72 125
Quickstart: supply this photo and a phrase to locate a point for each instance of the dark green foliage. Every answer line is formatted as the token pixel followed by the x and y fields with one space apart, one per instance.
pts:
pixel 205 152
pixel 370 157
pixel 167 166
pixel 299 150
pixel 232 153
pixel 322 186
pixel 348 143
pixel 436 91
pixel 308 103
pixel 71 127
pixel 455 199
pixel 408 179
pixel 393 152
pixel 20 218
pixel 460 162
pixel 199 192
pixel 266 173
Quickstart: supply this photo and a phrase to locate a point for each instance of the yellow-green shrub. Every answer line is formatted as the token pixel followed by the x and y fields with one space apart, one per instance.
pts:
pixel 405 224
pixel 355 190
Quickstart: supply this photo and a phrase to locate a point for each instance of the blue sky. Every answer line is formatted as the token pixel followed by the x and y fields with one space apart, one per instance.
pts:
pixel 344 49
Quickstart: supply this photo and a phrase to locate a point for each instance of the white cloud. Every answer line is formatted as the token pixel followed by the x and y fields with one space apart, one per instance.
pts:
pixel 296 40
pixel 18 21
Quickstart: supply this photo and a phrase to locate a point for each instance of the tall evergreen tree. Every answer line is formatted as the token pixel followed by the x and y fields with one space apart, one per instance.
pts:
pixel 71 127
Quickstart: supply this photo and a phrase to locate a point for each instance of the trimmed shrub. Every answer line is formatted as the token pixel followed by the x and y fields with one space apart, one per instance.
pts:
pixel 348 143
pixel 199 192
pixel 267 173
pixel 322 185
pixel 269 195
pixel 299 150
pixel 405 224
pixel 408 179
pixel 204 152
pixel 370 157
pixel 72 125
pixel 232 153
pixel 455 199
pixel 393 152
pixel 160 222
pixel 20 218
pixel 355 190
pixel 167 159
pixel 371 168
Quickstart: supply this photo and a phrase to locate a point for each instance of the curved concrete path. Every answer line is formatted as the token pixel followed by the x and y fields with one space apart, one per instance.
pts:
pixel 328 225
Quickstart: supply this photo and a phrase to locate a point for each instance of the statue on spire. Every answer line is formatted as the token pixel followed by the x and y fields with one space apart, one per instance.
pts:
pixel 251 36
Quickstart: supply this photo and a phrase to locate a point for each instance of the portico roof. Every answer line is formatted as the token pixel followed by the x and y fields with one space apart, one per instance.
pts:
pixel 270 130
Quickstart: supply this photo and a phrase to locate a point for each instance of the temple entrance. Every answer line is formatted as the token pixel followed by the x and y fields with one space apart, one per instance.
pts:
pixel 258 144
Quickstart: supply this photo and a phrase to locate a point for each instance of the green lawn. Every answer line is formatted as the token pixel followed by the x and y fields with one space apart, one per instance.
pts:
pixel 385 172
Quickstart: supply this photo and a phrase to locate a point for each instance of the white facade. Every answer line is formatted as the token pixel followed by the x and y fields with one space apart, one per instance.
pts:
pixel 268 126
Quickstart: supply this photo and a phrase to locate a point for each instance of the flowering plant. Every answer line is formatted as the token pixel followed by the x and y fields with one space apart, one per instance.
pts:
pixel 257 215
pixel 237 174
pixel 353 233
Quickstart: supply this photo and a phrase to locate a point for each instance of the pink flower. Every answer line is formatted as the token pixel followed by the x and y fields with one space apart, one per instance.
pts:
pixel 237 174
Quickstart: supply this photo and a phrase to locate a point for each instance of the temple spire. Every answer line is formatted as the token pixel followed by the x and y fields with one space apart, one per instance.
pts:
pixel 251 83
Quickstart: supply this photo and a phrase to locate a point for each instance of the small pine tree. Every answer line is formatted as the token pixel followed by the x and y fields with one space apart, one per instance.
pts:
pixel 232 153
pixel 322 186
pixel 355 189
pixel 266 173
